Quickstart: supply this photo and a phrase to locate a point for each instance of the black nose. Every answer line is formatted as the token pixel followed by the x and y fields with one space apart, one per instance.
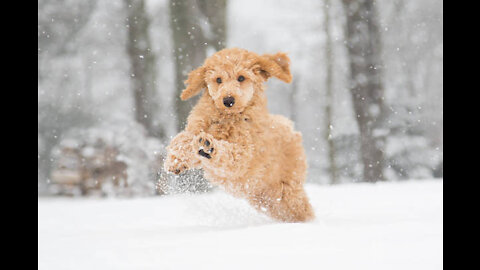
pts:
pixel 228 101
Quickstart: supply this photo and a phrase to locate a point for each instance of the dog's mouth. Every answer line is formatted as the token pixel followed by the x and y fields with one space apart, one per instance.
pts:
pixel 232 110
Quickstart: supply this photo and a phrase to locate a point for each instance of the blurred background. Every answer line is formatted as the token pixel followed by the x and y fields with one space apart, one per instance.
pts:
pixel 367 90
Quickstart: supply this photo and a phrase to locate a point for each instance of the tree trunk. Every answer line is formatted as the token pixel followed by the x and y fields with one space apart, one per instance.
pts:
pixel 293 99
pixel 364 50
pixel 216 13
pixel 143 71
pixel 188 20
pixel 329 94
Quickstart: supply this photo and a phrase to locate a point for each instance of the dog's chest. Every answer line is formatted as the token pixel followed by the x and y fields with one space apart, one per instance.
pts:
pixel 229 129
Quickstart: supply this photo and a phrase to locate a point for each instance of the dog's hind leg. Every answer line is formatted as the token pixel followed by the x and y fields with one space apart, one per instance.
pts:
pixel 287 203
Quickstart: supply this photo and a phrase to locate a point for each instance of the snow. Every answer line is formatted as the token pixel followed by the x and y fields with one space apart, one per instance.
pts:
pixel 393 225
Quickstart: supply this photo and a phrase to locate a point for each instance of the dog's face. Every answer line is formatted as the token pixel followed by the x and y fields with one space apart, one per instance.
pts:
pixel 231 84
pixel 232 76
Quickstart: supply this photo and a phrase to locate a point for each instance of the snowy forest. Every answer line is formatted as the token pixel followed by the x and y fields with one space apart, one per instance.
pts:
pixel 366 94
pixel 367 89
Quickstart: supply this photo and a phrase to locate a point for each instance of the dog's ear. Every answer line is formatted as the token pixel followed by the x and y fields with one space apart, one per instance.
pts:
pixel 276 65
pixel 195 83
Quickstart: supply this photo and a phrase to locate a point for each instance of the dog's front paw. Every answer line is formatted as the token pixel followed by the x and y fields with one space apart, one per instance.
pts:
pixel 175 165
pixel 204 143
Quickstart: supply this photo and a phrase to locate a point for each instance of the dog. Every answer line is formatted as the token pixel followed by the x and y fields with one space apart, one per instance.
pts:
pixel 235 140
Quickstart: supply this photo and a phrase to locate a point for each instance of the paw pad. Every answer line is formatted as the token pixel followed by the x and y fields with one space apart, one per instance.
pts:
pixel 204 150
pixel 204 154
pixel 179 170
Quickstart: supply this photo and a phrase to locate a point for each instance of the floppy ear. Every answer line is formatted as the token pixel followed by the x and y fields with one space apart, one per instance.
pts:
pixel 195 83
pixel 276 65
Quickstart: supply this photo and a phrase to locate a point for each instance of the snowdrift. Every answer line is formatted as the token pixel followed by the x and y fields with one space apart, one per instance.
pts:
pixel 358 226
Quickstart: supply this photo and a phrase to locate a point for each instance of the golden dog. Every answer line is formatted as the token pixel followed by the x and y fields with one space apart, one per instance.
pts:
pixel 241 146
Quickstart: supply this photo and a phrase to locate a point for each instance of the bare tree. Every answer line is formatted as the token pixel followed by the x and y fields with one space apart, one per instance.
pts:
pixel 142 66
pixel 329 94
pixel 364 51
pixel 293 98
pixel 58 27
pixel 215 12
pixel 58 109
pixel 196 25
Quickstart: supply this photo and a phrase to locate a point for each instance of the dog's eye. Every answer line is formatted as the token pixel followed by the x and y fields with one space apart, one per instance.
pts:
pixel 219 80
pixel 241 78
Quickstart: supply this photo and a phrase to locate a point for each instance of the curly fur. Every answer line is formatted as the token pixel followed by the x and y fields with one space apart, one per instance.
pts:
pixel 250 152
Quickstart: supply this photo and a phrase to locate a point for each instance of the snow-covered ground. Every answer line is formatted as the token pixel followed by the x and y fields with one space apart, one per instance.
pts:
pixel 358 226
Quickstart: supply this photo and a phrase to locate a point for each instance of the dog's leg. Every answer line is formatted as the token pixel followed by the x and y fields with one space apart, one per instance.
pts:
pixel 287 204
pixel 220 158
pixel 180 154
